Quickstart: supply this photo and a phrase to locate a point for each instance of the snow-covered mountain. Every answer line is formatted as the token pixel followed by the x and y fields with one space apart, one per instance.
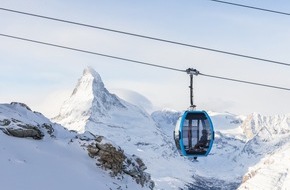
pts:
pixel 249 152
pixel 93 108
pixel 269 145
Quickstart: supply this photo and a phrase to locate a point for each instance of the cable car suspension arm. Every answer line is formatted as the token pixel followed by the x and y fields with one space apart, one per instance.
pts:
pixel 191 72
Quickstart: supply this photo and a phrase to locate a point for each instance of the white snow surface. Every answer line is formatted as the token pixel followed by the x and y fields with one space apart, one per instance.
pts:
pixel 249 152
pixel 55 163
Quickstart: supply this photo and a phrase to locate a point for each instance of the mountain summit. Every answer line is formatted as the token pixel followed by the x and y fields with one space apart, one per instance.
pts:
pixel 90 99
pixel 93 108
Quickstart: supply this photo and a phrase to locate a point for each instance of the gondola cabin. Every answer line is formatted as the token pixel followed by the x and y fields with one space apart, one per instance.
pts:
pixel 194 134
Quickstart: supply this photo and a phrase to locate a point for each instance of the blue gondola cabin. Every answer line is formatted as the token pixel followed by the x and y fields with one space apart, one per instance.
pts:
pixel 194 134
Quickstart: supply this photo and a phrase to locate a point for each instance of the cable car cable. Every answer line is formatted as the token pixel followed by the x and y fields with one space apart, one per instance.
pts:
pixel 150 37
pixel 251 7
pixel 90 52
pixel 188 71
pixel 246 82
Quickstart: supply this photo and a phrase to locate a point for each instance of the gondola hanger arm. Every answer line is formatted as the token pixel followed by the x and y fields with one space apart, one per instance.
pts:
pixel 192 71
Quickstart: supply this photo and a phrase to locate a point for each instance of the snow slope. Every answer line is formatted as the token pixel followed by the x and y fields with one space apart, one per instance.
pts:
pixel 57 161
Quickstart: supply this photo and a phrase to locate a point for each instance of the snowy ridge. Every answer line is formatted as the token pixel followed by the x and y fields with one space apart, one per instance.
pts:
pixel 273 125
pixel 18 114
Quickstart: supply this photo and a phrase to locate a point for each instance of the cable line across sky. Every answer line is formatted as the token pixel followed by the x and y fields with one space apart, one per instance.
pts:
pixel 251 7
pixel 150 37
pixel 141 62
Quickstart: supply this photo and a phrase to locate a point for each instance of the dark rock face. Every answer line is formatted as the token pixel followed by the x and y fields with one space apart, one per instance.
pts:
pixel 111 158
pixel 5 122
pixel 20 126
pixel 29 131
pixel 20 104
pixel 48 128
pixel 202 183
pixel 114 159
pixel 18 129
pixel 135 167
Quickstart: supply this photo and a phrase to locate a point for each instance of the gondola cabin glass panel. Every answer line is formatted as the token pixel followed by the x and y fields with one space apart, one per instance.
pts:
pixel 194 134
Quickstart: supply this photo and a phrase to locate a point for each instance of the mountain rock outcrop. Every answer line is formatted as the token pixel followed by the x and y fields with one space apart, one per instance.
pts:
pixel 114 159
pixel 24 128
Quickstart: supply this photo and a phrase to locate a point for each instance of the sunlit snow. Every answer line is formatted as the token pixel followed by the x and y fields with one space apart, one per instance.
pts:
pixel 249 152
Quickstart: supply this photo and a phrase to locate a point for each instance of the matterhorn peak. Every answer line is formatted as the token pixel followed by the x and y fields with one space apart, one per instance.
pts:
pixel 89 82
pixel 89 100
pixel 90 71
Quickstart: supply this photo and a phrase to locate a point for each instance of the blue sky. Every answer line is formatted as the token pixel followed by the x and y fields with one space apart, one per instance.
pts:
pixel 43 77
